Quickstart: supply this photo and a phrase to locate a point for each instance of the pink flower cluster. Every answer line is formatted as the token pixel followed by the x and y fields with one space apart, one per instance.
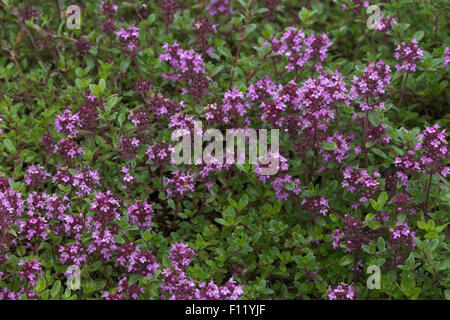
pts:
pixel 371 85
pixel 409 54
pixel 129 38
pixel 140 214
pixel 402 237
pixel 188 65
pixel 342 292
pixel 105 207
pixel 353 236
pixel 180 184
pixel 316 205
pixel 300 49
pixel 160 154
pixel 36 176
pixel 30 271
pixel 67 123
pixel 219 6
pixel 446 58
pixel 176 285
pixel 360 179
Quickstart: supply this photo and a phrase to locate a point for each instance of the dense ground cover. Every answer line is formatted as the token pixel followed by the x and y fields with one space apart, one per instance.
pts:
pixel 88 191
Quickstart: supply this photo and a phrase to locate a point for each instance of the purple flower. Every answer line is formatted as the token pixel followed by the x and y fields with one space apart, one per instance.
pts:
pixel 219 6
pixel 342 292
pixel 409 54
pixel 30 271
pixel 446 57
pixel 68 123
pixel 140 214
pixel 180 184
pixel 36 176
pixel 160 154
pixel 371 85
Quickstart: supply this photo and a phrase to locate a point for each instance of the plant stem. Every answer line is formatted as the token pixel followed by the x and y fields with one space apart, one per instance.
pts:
pixel 403 90
pixel 238 51
pixel 364 140
pixel 428 191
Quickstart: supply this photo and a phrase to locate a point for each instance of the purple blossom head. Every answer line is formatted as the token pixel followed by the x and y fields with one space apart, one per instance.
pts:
pixel 132 291
pixel 109 8
pixel 88 116
pixel 143 86
pixel 36 176
pixel 129 38
pixel 85 180
pixel 180 184
pixel 370 85
pixel 160 154
pixel 234 103
pixel 140 214
pixel 316 205
pixel 168 7
pixel 180 256
pixel 30 271
pixel 68 149
pixel 342 292
pixel 143 263
pixel 67 123
pixel 105 207
pixel 82 46
pixel 219 7
pixel 127 147
pixel 285 186
pixel 446 57
pixel 409 54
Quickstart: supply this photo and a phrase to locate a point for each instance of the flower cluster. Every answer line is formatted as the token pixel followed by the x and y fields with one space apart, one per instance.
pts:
pixel 30 271
pixel 219 6
pixel 360 179
pixel 169 7
pixel 141 214
pixel 446 57
pixel 285 186
pixel 143 263
pixel 402 236
pixel 68 149
pixel 129 38
pixel 127 147
pixel 434 150
pixel 353 236
pixel 36 176
pixel 370 85
pixel 160 154
pixel 188 65
pixel 300 49
pixel 109 9
pixel 105 208
pixel 316 205
pixel 409 54
pixel 177 285
pixel 180 184
pixel 127 179
pixel 342 292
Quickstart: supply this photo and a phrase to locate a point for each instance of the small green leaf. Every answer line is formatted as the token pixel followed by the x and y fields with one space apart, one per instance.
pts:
pixel 382 198
pixel 345 260
pixel 54 292
pixel 9 146
pixel 330 146
pixel 147 236
pixel 418 35
pixel 40 285
pixel 374 118
pixel 102 85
